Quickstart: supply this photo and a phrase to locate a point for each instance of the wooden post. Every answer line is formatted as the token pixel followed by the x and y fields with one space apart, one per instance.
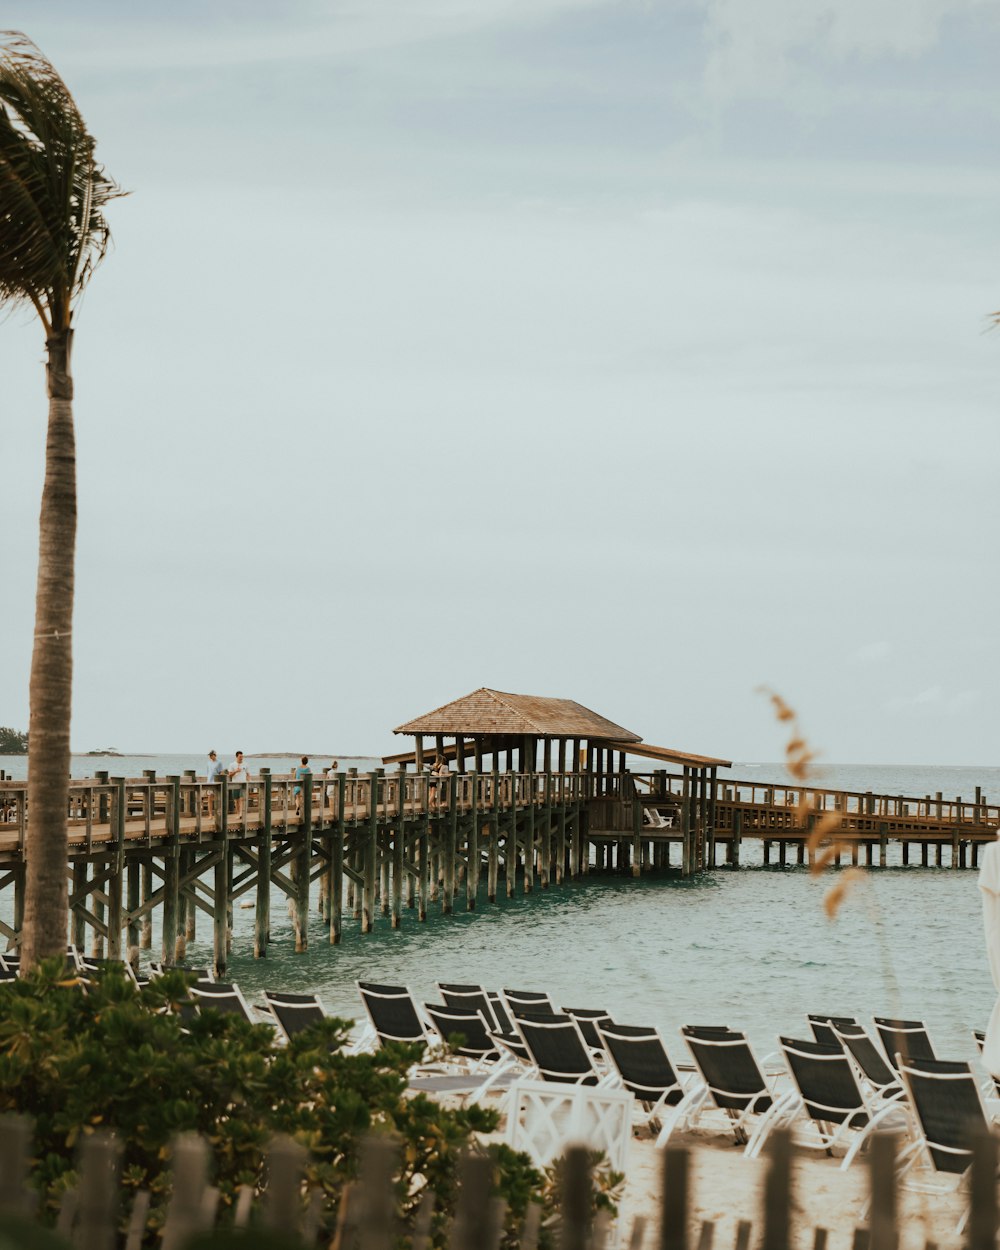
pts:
pixel 132 902
pixel 493 864
pixel 636 835
pixel 737 838
pixel 449 840
pixel 146 879
pixel 472 876
pixel 337 864
pixel 424 860
pixel 370 871
pixel 262 913
pixel 220 911
pixel 116 880
pixel 686 833
pixel 883 844
pixel 79 923
pixel 418 753
pixel 529 831
pixel 399 849
pixel 171 872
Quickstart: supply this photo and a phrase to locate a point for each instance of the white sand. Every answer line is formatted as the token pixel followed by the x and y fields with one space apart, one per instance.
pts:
pixel 726 1187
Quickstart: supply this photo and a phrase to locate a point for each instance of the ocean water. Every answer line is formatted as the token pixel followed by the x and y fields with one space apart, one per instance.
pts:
pixel 752 949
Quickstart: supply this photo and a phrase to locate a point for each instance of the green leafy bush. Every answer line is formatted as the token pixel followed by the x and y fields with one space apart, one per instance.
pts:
pixel 118 1059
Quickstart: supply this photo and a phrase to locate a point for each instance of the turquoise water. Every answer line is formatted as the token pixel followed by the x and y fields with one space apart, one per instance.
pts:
pixel 750 949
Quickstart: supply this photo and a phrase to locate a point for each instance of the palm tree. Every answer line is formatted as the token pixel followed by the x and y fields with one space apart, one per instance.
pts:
pixel 52 235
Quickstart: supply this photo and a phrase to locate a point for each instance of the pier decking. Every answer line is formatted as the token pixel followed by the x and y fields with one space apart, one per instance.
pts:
pixel 390 844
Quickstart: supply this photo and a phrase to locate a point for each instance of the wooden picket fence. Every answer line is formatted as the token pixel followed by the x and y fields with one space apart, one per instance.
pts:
pixel 90 1218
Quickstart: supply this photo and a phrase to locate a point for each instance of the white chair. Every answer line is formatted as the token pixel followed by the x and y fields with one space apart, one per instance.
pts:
pixel 654 819
pixel 544 1117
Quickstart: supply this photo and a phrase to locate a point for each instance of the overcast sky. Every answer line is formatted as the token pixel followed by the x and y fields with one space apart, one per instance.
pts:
pixel 630 352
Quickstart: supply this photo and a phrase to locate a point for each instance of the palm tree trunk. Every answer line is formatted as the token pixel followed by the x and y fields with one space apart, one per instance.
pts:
pixel 46 902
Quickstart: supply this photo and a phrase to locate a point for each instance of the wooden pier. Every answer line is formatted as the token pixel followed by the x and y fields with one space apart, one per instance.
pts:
pixel 397 844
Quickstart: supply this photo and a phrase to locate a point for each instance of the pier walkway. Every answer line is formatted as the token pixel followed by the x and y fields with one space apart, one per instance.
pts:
pixel 393 844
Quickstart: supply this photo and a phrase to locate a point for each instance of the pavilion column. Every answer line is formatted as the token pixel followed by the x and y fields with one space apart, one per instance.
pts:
pixel 419 753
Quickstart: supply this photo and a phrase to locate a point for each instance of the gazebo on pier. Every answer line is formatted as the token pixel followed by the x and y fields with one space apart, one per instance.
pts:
pixel 516 732
pixel 495 731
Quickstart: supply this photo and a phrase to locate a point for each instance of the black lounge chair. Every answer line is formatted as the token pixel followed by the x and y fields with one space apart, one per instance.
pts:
pixel 392 1014
pixel 10 962
pixel 950 1114
pixel 643 1065
pixel 200 974
pixel 467 1026
pixel 880 1076
pixel 474 996
pixel 908 1038
pixel 8 974
pixel 836 1110
pixel 733 1079
pixel 293 1012
pixel 500 1013
pixel 823 1027
pixel 228 1000
pixel 557 1049
pixel 92 965
pixel 527 1000
pixel 591 1021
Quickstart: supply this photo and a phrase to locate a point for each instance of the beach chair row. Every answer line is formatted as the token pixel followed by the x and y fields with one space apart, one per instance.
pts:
pixel 833 1090
pixel 289 1013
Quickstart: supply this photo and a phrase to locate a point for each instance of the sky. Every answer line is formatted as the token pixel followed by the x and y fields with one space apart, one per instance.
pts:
pixel 634 352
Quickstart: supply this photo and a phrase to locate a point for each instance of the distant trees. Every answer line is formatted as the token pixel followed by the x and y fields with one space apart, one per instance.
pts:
pixel 13 742
pixel 53 233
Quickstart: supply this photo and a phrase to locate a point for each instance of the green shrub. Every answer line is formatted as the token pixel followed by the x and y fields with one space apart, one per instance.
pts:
pixel 118 1059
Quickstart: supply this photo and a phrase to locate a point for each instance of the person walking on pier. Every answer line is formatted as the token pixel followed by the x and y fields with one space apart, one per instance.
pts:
pixel 301 772
pixel 438 784
pixel 239 776
pixel 215 771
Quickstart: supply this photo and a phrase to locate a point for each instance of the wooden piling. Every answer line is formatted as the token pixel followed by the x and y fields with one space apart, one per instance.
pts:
pixel 262 910
pixel 370 858
pixel 472 876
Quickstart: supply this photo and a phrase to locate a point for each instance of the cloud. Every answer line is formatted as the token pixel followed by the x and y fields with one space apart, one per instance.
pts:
pixel 871 652
pixel 753 47
pixel 938 700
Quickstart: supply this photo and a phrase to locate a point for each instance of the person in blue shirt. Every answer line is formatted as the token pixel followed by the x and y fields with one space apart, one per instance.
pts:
pixel 215 771
pixel 303 770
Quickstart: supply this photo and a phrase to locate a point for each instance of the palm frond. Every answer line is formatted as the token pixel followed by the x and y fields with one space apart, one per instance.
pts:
pixel 53 231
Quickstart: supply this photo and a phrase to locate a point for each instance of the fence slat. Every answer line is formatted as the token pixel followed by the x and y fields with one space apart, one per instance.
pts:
pixel 574 1175
pixel 97 1205
pixel 137 1220
pixel 673 1226
pixel 471 1229
pixel 286 1161
pixel 15 1141
pixel 376 1214
pixel 743 1230
pixel 185 1214
pixel 778 1192
pixel 882 1232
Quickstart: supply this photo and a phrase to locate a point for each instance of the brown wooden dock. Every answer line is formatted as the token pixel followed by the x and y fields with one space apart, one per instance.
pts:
pixel 387 843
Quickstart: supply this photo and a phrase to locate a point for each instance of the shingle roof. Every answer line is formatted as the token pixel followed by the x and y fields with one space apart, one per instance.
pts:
pixel 486 711
pixel 669 756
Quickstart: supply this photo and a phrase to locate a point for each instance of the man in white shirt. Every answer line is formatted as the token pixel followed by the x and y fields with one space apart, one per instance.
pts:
pixel 239 777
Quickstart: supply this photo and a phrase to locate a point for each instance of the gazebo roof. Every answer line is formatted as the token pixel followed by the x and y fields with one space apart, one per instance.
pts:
pixel 485 712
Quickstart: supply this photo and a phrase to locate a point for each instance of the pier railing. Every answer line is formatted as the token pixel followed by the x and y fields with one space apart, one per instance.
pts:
pixel 105 809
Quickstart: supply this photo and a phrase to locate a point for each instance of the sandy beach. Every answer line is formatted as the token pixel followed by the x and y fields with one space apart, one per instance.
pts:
pixel 726 1187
